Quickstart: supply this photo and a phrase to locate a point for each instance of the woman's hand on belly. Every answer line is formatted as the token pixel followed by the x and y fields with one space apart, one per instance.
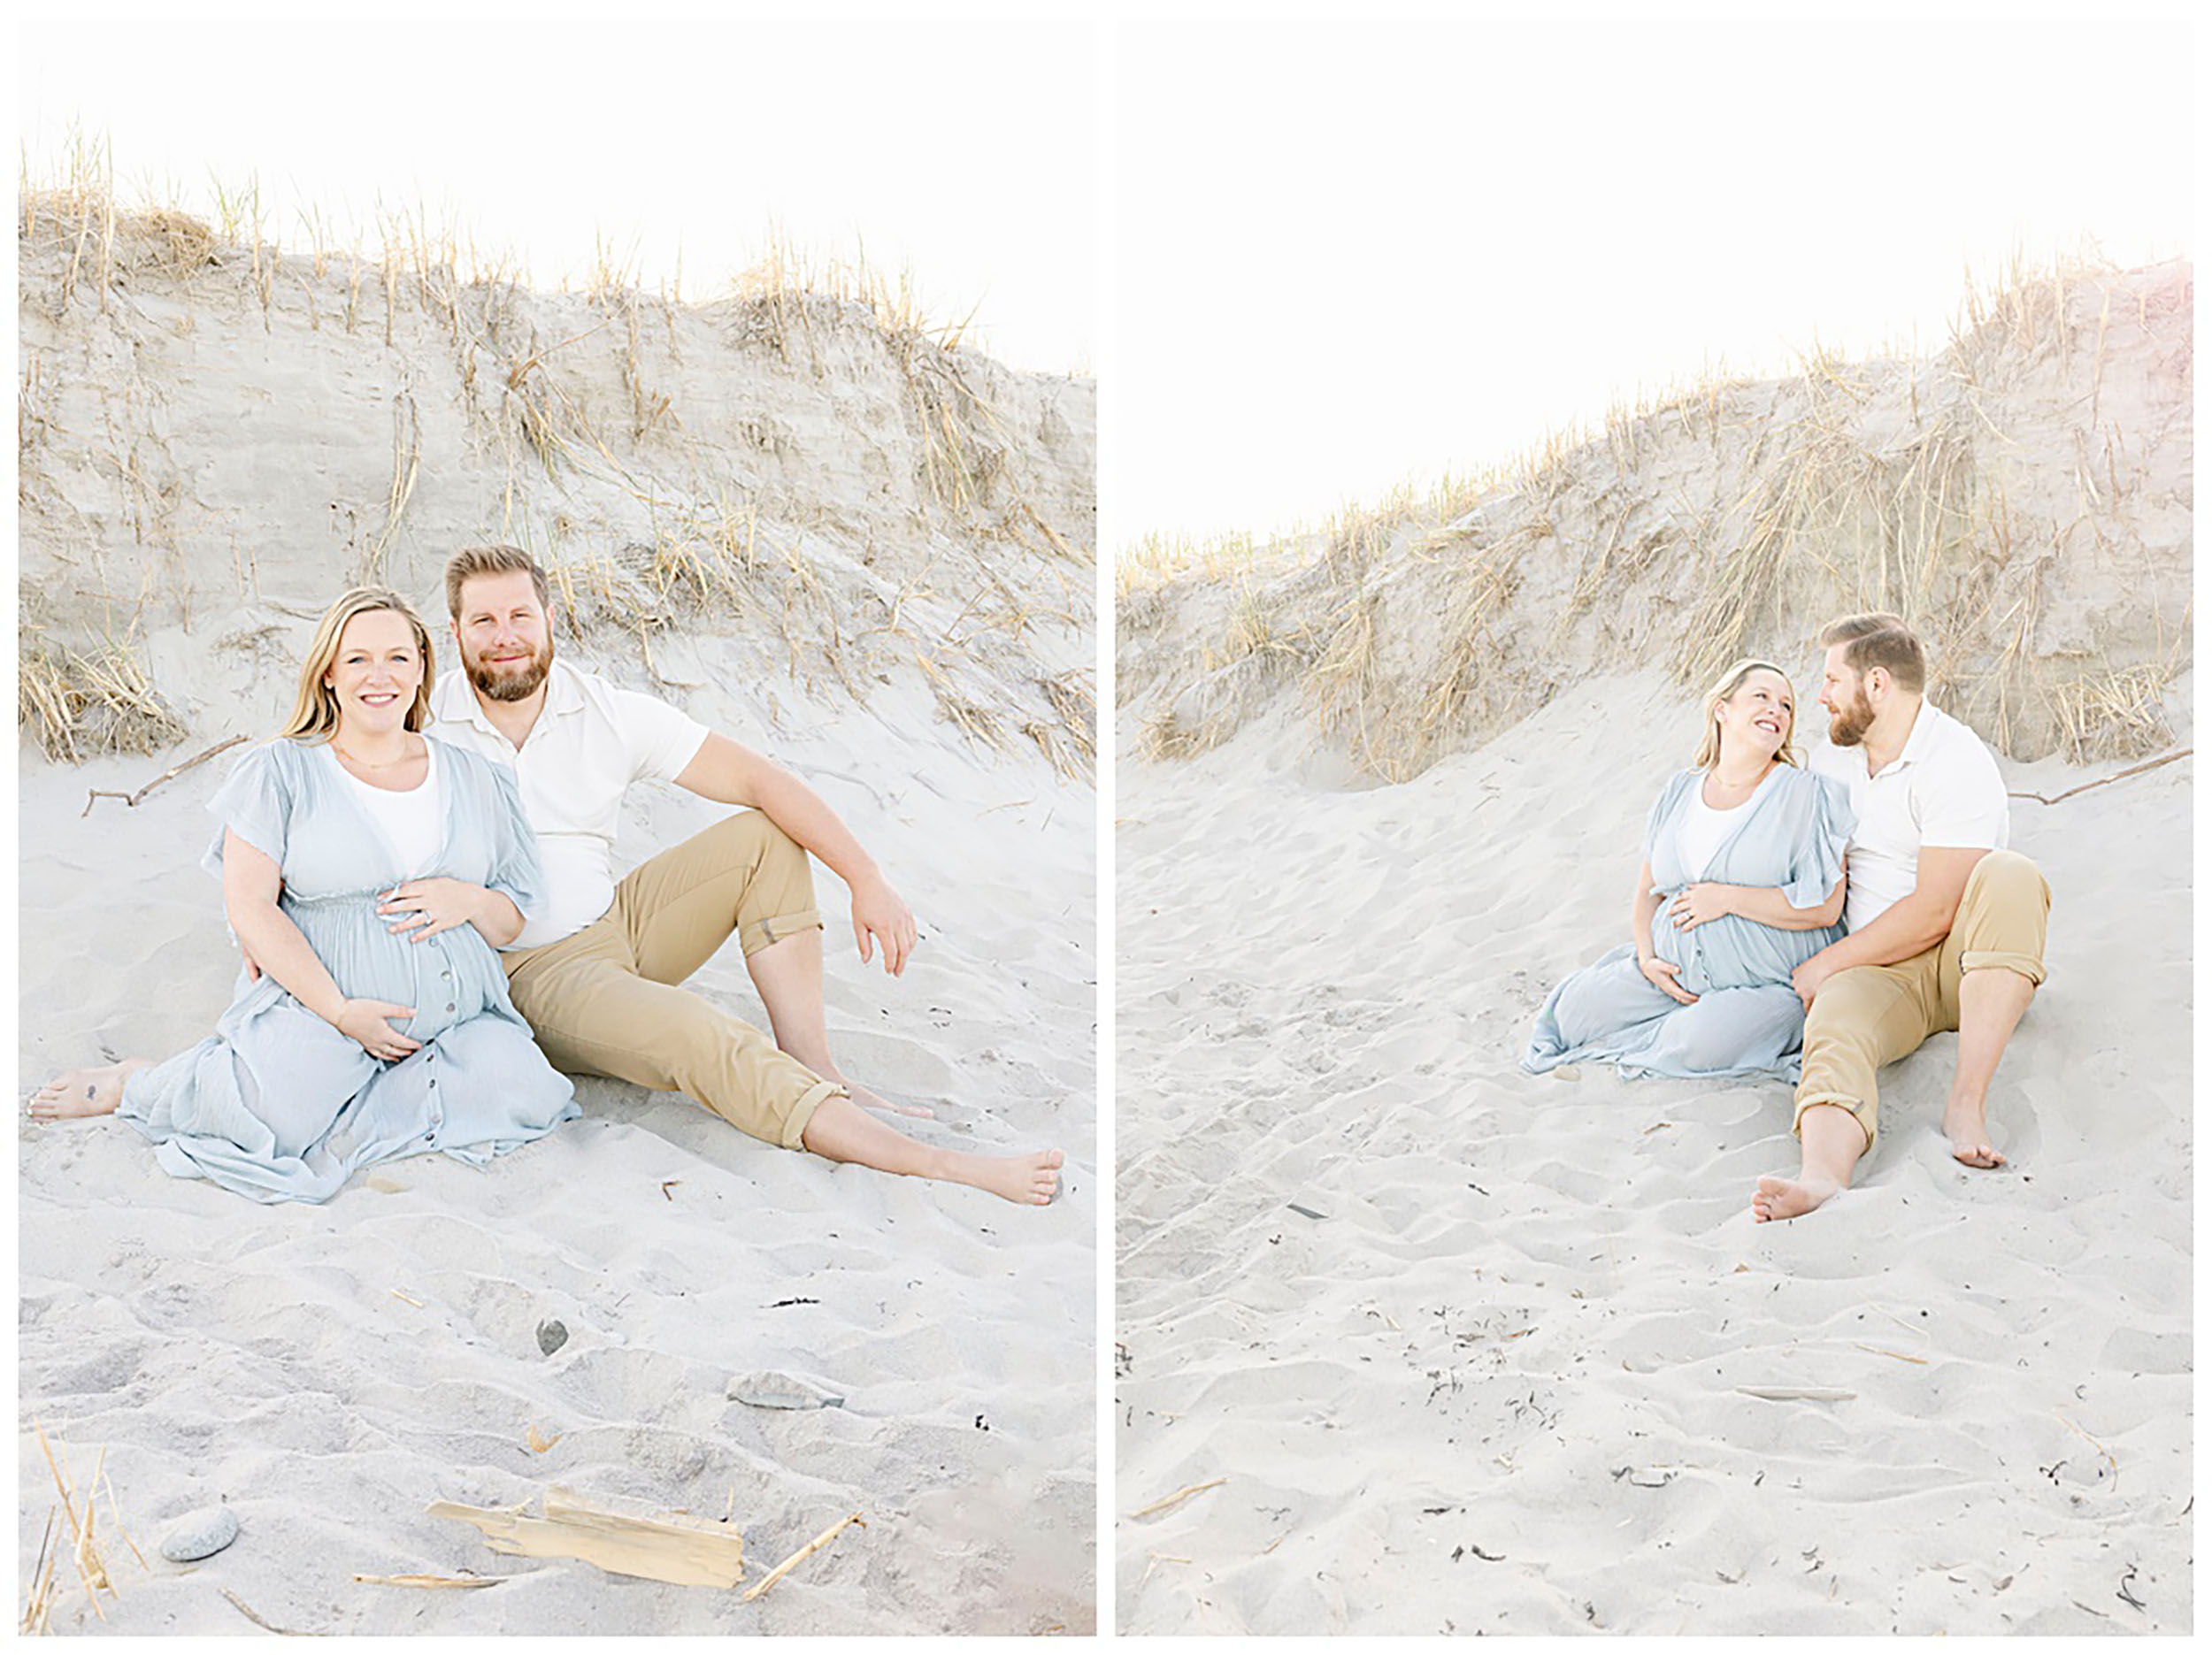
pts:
pixel 423 908
pixel 367 1021
pixel 1703 903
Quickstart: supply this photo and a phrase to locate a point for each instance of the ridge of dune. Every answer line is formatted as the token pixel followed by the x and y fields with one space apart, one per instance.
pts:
pixel 1449 1347
pixel 858 547
pixel 2024 495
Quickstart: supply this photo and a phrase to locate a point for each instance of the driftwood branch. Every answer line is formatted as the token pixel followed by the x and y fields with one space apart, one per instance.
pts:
pixel 805 1552
pixel 171 774
pixel 2116 776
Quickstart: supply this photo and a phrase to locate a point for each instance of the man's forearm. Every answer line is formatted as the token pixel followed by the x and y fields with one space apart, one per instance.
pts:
pixel 806 816
pixel 1911 925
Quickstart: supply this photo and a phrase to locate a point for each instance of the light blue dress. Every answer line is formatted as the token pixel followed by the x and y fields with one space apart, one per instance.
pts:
pixel 279 1106
pixel 1747 1019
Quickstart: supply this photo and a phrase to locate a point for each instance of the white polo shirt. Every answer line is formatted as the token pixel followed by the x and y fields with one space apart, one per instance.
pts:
pixel 590 743
pixel 1941 793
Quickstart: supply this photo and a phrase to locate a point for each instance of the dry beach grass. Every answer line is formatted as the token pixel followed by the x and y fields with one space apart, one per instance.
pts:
pixel 1410 1341
pixel 815 520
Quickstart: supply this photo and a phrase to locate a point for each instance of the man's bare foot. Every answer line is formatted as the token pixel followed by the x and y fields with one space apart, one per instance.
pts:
pixel 1790 1197
pixel 1969 1132
pixel 78 1092
pixel 1029 1180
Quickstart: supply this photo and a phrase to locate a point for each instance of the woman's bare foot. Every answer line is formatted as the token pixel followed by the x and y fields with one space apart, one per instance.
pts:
pixel 1790 1197
pixel 1969 1132
pixel 78 1092
pixel 1029 1180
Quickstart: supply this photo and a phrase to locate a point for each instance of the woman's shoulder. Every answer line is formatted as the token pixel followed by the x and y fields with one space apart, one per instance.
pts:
pixel 470 769
pixel 1811 783
pixel 461 761
pixel 280 756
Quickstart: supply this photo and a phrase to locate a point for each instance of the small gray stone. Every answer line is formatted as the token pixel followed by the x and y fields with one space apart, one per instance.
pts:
pixel 551 1336
pixel 201 1534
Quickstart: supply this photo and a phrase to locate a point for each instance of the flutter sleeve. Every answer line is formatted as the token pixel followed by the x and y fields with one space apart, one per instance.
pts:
pixel 1658 831
pixel 256 802
pixel 1818 861
pixel 515 870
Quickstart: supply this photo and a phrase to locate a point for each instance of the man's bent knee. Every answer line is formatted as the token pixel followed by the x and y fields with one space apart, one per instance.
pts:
pixel 750 840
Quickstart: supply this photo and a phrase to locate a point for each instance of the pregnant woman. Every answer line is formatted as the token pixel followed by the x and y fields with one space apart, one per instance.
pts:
pixel 1742 881
pixel 369 874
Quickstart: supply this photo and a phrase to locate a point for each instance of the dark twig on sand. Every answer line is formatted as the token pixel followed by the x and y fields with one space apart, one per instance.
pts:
pixel 170 774
pixel 2116 776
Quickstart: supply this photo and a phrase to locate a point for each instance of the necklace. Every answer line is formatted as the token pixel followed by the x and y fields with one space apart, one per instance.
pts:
pixel 368 765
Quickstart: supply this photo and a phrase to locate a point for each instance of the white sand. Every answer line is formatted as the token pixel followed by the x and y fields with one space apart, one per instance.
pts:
pixel 218 1350
pixel 1498 1386
pixel 202 474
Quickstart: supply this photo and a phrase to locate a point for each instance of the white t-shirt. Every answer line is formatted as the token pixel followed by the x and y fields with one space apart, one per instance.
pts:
pixel 1942 793
pixel 413 821
pixel 1705 828
pixel 590 743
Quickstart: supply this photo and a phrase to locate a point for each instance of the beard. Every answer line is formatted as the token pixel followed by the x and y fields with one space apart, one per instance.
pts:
pixel 1848 725
pixel 505 681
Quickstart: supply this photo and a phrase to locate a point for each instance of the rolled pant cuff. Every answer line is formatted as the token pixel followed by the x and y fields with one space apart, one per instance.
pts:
pixel 1851 1106
pixel 793 1133
pixel 1990 959
pixel 756 934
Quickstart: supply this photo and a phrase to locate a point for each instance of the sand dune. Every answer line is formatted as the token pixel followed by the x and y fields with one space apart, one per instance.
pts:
pixel 1500 1385
pixel 769 528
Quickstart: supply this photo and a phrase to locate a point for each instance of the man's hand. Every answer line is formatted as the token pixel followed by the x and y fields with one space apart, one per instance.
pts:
pixel 878 916
pixel 1807 977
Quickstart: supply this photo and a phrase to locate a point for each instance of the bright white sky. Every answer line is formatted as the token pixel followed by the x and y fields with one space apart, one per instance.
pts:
pixel 966 149
pixel 1349 254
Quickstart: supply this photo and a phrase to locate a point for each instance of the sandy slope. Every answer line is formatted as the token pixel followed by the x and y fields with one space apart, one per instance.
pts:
pixel 262 1356
pixel 1497 1386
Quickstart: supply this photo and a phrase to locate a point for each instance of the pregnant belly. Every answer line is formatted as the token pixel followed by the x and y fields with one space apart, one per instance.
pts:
pixel 447 978
pixel 1732 952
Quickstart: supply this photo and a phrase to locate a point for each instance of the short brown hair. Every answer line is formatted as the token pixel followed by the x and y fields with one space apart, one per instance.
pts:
pixel 1879 639
pixel 472 561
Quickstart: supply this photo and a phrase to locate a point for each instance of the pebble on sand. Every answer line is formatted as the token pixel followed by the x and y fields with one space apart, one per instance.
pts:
pixel 201 1534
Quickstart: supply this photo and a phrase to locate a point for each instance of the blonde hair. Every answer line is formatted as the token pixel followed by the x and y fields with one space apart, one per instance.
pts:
pixel 315 708
pixel 1726 685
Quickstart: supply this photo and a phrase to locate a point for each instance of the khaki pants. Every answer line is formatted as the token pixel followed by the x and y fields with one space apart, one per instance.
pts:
pixel 604 1001
pixel 1873 1014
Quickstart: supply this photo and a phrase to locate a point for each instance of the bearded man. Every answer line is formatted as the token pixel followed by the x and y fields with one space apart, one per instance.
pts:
pixel 1945 924
pixel 597 970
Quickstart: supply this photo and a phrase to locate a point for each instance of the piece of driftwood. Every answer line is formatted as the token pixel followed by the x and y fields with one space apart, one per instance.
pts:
pixel 1177 1498
pixel 171 774
pixel 679 1552
pixel 432 1582
pixel 239 1604
pixel 2116 776
pixel 805 1552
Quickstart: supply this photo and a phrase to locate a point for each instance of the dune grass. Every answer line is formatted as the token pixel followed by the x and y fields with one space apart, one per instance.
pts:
pixel 1440 615
pixel 957 594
